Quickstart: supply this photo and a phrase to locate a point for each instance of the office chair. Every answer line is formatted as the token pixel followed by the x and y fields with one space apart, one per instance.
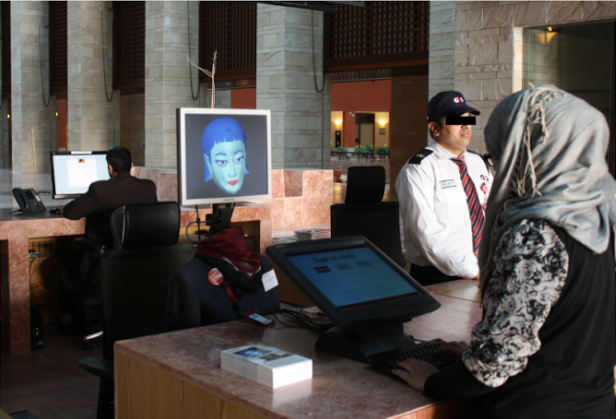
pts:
pixel 135 278
pixel 363 213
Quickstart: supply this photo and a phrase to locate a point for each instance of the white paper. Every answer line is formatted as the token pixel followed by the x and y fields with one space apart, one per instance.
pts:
pixel 269 280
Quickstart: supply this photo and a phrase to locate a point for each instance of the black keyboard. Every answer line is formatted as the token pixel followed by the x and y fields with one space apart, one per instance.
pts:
pixel 387 361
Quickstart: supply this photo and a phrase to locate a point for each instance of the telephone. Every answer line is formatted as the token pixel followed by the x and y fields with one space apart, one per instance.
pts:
pixel 29 201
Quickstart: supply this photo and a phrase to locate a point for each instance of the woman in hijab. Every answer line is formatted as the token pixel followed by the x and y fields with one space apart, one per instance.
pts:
pixel 545 347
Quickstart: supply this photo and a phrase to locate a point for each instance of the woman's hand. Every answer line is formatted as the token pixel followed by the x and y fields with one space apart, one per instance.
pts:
pixel 456 348
pixel 415 372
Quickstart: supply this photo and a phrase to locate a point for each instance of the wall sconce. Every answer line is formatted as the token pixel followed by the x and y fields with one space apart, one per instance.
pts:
pixel 382 123
pixel 545 37
pixel 56 114
pixel 8 116
pixel 338 123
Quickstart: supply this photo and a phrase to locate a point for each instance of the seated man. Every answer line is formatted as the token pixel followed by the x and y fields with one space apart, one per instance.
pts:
pixel 442 192
pixel 96 205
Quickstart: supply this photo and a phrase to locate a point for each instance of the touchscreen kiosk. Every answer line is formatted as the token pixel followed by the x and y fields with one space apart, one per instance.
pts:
pixel 360 289
pixel 73 172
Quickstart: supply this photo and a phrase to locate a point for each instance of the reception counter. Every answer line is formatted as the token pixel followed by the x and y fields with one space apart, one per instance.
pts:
pixel 178 374
pixel 16 230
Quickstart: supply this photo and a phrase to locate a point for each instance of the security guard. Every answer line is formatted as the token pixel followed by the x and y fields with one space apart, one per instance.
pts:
pixel 443 191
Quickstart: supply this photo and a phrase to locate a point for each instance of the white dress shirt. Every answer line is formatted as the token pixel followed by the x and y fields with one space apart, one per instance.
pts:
pixel 434 210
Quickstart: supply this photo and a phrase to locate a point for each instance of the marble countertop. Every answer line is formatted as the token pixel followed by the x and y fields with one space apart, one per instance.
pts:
pixel 351 389
pixel 9 214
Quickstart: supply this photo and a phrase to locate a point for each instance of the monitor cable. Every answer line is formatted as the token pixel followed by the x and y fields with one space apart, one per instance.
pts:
pixel 305 321
pixel 314 63
pixel 41 64
pixel 189 63
pixel 109 99
pixel 198 222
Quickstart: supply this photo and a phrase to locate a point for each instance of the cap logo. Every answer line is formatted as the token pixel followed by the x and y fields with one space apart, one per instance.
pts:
pixel 458 99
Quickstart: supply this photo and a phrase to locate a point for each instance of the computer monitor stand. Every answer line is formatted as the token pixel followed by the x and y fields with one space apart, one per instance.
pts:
pixel 219 218
pixel 362 343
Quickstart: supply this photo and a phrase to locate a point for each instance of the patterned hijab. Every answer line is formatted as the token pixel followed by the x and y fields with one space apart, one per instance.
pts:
pixel 550 149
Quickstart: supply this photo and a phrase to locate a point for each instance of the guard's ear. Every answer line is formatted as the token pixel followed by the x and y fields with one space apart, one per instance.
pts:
pixel 434 128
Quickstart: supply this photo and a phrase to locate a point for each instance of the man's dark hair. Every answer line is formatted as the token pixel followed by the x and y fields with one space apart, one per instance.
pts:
pixel 120 159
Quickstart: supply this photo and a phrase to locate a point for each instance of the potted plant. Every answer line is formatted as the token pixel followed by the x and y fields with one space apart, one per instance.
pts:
pixel 339 151
pixel 383 152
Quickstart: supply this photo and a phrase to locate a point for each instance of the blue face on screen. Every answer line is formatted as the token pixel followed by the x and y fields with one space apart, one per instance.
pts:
pixel 224 154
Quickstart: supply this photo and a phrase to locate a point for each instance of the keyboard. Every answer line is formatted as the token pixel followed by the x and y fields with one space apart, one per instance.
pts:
pixel 387 361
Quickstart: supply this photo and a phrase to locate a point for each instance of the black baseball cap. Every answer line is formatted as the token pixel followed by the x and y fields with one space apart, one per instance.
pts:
pixel 449 103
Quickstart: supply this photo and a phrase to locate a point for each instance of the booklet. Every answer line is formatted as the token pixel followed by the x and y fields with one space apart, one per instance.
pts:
pixel 266 365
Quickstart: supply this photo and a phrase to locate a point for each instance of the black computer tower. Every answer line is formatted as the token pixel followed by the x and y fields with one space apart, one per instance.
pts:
pixel 37 328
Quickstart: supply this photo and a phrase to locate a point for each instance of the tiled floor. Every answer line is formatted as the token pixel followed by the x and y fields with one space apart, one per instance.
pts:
pixel 49 383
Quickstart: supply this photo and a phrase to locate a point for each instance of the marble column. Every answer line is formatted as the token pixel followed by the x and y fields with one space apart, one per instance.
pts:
pixel 442 46
pixel 286 85
pixel 167 75
pixel 30 94
pixel 90 87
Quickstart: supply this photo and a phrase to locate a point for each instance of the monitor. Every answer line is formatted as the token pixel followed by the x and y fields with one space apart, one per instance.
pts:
pixel 365 294
pixel 73 172
pixel 224 155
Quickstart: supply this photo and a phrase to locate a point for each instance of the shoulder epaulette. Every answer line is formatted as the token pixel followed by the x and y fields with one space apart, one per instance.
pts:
pixel 417 158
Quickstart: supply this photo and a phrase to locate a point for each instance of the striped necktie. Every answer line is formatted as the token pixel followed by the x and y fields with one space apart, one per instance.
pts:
pixel 474 206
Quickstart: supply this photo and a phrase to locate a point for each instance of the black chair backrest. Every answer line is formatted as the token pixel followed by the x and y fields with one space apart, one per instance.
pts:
pixel 135 285
pixel 366 184
pixel 146 225
pixel 363 213
pixel 136 274
pixel 378 222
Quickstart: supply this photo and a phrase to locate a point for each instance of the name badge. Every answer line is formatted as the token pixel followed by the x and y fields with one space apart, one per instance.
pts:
pixel 449 183
pixel 269 280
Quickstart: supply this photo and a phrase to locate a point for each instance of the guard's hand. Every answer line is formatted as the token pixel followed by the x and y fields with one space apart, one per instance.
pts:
pixel 456 348
pixel 415 372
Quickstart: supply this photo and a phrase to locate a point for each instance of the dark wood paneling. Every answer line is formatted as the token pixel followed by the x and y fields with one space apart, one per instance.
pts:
pixel 5 10
pixel 231 29
pixel 383 34
pixel 58 53
pixel 128 46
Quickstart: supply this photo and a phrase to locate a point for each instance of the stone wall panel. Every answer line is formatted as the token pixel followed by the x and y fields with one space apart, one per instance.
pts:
pixel 471 89
pixel 564 11
pixel 483 53
pixel 470 20
pixel 599 9
pixel 498 16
